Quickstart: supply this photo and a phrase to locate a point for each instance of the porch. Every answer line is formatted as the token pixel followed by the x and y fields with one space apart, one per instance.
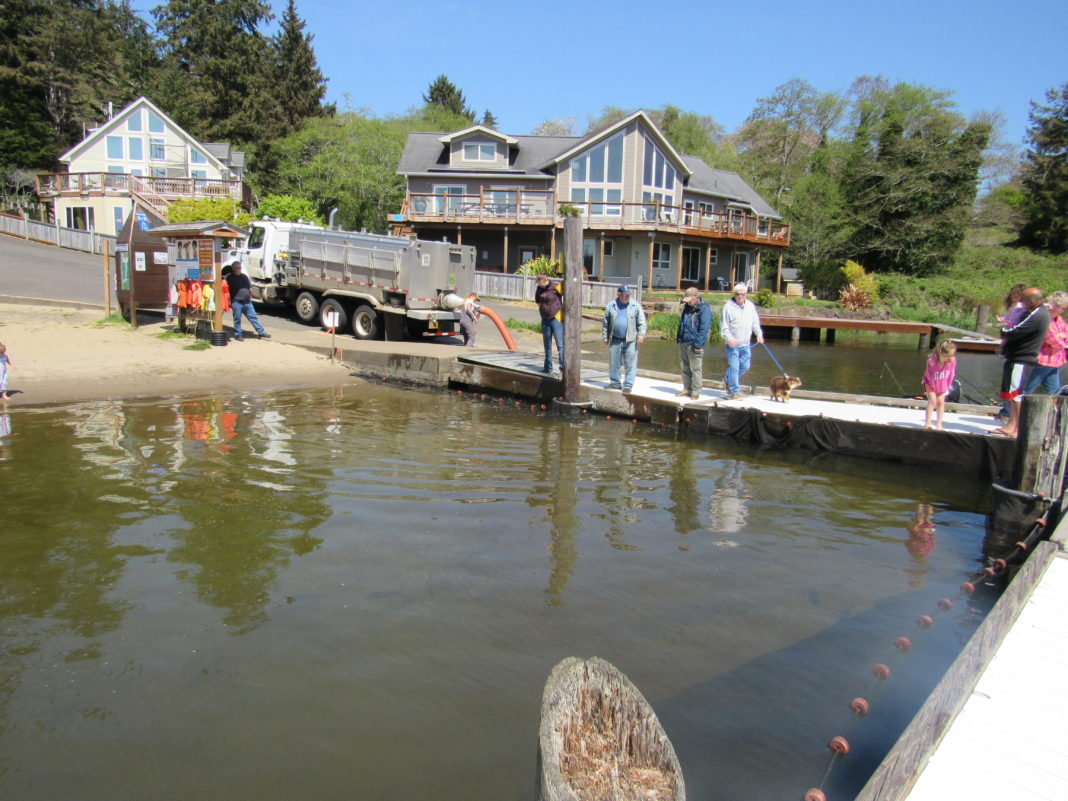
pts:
pixel 541 208
pixel 100 184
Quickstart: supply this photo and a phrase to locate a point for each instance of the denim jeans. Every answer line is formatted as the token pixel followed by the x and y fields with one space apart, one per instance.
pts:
pixel 1040 376
pixel 738 359
pixel 549 329
pixel 627 352
pixel 244 307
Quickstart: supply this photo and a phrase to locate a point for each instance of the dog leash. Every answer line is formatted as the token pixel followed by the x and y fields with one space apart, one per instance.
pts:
pixel 772 355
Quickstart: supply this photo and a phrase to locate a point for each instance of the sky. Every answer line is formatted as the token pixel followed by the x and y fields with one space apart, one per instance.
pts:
pixel 531 61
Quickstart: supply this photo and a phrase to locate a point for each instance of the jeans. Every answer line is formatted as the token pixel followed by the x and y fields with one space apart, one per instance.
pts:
pixel 1048 378
pixel 627 352
pixel 691 365
pixel 549 329
pixel 244 307
pixel 738 359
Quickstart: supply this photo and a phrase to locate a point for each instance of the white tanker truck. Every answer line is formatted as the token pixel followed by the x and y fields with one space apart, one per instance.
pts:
pixel 374 284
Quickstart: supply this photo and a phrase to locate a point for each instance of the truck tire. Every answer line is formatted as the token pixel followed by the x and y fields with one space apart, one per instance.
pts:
pixel 307 307
pixel 365 322
pixel 333 305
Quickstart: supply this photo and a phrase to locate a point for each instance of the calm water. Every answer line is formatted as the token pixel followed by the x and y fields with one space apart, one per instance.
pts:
pixel 359 593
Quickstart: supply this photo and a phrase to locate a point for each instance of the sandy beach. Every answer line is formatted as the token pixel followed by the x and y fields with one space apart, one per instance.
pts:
pixel 62 355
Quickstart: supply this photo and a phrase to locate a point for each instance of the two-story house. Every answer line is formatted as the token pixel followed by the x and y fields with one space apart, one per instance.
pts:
pixel 648 211
pixel 139 155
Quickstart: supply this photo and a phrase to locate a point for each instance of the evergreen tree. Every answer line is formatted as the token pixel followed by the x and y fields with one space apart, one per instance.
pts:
pixel 911 179
pixel 299 85
pixel 489 120
pixel 443 92
pixel 1045 175
pixel 216 79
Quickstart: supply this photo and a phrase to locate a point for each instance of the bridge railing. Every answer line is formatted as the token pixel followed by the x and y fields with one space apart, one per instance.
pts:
pixel 71 238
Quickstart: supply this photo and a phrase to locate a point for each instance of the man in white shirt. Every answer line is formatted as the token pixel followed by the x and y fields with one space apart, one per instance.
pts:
pixel 738 324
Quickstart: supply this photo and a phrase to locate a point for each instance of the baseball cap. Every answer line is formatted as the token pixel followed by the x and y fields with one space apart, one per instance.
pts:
pixel 624 289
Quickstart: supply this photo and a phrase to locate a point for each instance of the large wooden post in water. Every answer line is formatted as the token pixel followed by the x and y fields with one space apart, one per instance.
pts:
pixel 572 308
pixel 1040 446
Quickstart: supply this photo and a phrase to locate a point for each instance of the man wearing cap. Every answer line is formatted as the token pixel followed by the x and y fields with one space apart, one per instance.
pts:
pixel 692 336
pixel 623 329
pixel 738 325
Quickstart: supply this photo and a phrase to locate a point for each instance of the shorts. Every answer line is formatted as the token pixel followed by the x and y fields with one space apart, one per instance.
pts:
pixel 1013 378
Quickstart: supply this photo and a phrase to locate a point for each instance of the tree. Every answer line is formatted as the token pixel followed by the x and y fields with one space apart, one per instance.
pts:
pixel 815 208
pixel 210 208
pixel 558 127
pixel 1045 175
pixel 780 136
pixel 910 178
pixel 214 77
pixel 299 86
pixel 489 120
pixel 443 92
pixel 289 208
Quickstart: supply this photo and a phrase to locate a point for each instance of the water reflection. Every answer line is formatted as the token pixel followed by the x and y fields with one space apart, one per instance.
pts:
pixel 375 583
pixel 920 542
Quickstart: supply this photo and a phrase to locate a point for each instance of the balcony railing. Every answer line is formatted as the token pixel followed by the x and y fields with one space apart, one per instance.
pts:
pixel 541 208
pixel 78 183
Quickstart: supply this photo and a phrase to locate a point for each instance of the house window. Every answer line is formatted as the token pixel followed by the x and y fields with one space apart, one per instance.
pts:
pixel 661 256
pixel 657 172
pixel 158 172
pixel 592 174
pixel 480 151
pixel 196 157
pixel 133 122
pixel 587 255
pixel 501 201
pixel 691 264
pixel 713 256
pixel 114 144
pixel 137 171
pixel 119 215
pixel 81 217
pixel 157 151
pixel 449 196
pixel 136 146
pixel 155 123
pixel 609 248
pixel 653 202
pixel 113 168
pixel 198 173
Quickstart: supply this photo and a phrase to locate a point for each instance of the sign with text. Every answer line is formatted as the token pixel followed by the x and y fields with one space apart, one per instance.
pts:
pixel 206 258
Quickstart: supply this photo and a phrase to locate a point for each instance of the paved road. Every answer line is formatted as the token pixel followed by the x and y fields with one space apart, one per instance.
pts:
pixel 33 270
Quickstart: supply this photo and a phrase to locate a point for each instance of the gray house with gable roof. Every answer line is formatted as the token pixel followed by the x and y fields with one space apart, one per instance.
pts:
pixel 648 212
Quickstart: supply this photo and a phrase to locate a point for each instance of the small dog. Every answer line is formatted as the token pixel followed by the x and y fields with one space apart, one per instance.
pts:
pixel 781 386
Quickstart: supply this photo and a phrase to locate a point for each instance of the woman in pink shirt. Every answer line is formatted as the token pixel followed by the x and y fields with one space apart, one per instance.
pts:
pixel 1047 373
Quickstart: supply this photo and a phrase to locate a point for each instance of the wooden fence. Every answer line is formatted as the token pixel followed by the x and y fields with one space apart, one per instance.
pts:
pixel 72 238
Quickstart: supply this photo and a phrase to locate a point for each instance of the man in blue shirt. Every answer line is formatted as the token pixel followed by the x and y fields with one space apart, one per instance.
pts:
pixel 692 336
pixel 623 329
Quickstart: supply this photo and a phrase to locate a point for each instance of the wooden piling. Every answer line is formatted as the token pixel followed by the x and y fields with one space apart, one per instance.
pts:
pixel 1040 445
pixel 572 309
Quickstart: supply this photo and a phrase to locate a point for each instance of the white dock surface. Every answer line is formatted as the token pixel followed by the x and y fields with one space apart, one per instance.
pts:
pixel 1010 741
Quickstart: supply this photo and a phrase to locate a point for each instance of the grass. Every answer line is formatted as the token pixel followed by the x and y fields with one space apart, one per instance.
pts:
pixel 112 319
pixel 200 344
pixel 172 333
pixel 520 325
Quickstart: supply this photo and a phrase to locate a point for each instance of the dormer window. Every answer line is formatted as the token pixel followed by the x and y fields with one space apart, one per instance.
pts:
pixel 480 151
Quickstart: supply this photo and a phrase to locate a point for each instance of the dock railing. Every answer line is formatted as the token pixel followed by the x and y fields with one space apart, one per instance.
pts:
pixel 512 286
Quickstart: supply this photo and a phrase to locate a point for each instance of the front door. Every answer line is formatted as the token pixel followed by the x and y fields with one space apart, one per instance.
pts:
pixel 691 265
pixel 741 268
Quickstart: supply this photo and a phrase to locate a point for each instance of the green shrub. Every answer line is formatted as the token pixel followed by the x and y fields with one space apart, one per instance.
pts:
pixel 664 323
pixel 823 278
pixel 854 276
pixel 764 298
pixel 542 265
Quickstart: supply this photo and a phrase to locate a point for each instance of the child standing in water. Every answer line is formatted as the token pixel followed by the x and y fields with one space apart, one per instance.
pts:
pixel 938 379
pixel 5 363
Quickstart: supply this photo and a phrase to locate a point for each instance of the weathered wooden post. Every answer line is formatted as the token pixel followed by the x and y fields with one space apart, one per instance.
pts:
pixel 572 308
pixel 1039 464
pixel 107 283
pixel 982 314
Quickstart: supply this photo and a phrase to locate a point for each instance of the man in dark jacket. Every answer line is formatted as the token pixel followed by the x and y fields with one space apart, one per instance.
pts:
pixel 551 308
pixel 692 336
pixel 1020 345
pixel 241 302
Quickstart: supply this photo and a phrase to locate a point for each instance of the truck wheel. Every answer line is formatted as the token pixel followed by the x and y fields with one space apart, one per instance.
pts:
pixel 307 307
pixel 332 305
pixel 365 322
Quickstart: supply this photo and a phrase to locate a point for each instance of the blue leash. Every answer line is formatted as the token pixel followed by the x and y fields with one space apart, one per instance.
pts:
pixel 772 355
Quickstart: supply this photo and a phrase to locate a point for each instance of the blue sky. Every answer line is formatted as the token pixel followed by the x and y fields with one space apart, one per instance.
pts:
pixel 532 61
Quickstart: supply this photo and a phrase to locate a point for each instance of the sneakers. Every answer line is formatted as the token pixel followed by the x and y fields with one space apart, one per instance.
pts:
pixel 627 389
pixel 263 335
pixel 238 338
pixel 614 386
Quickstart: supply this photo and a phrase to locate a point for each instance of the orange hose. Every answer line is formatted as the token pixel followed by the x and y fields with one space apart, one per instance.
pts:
pixel 507 337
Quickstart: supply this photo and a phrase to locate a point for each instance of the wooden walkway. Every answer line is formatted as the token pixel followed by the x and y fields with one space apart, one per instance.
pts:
pixel 650 386
pixel 1010 741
